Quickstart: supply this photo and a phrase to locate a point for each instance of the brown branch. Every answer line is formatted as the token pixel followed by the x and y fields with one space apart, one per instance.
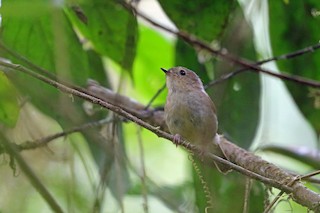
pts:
pixel 298 177
pixel 34 180
pixel 280 57
pixel 155 96
pixel 143 176
pixel 29 145
pixel 248 187
pixel 302 177
pixel 151 116
pixel 248 65
pixel 224 54
pixel 294 54
pixel 253 164
pixel 240 160
pixel 44 141
pixel 308 177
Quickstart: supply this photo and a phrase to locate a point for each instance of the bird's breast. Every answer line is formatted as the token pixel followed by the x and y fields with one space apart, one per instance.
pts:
pixel 188 116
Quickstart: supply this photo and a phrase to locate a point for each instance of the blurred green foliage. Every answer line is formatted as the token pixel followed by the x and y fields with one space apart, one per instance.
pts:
pixel 73 42
pixel 289 32
pixel 9 107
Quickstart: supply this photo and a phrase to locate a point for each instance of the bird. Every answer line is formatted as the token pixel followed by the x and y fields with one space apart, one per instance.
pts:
pixel 190 113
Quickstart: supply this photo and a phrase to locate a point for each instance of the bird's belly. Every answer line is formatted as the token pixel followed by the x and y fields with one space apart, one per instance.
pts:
pixel 194 122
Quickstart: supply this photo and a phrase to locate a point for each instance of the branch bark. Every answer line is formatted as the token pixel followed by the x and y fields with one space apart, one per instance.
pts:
pixel 241 160
pixel 34 180
pixel 223 54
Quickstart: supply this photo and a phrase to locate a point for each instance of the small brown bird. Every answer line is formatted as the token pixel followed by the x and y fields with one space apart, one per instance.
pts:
pixel 190 112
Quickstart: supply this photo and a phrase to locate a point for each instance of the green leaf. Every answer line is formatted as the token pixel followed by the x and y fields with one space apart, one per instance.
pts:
pixel 234 98
pixel 114 170
pixel 109 28
pixel 47 41
pixel 205 19
pixel 237 96
pixel 293 26
pixel 27 9
pixel 97 68
pixel 9 106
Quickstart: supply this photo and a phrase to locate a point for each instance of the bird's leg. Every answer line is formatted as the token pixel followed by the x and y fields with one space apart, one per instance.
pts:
pixel 176 139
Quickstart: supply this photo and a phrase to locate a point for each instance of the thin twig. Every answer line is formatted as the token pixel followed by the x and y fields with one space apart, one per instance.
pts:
pixel 155 96
pixel 154 189
pixel 34 180
pixel 308 179
pixel 313 199
pixel 238 71
pixel 273 202
pixel 204 184
pixel 143 176
pixel 299 177
pixel 44 141
pixel 223 54
pixel 122 112
pixel 309 175
pixel 293 54
pixel 281 57
pixel 118 157
pixel 247 195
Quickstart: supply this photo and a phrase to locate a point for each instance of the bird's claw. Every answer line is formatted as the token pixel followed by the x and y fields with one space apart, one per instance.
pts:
pixel 176 139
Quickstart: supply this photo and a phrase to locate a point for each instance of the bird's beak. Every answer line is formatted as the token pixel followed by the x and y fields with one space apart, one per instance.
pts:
pixel 164 70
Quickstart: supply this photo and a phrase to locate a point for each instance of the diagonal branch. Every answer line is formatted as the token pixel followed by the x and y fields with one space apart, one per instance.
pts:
pixel 38 185
pixel 241 160
pixel 28 145
pixel 299 177
pixel 280 57
pixel 225 55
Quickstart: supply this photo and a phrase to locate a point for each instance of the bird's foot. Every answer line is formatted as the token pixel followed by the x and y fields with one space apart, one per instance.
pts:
pixel 176 139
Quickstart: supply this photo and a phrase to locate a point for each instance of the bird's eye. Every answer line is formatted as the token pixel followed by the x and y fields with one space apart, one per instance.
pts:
pixel 182 72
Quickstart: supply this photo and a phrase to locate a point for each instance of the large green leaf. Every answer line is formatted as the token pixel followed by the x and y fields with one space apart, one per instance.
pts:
pixel 109 27
pixel 205 19
pixel 9 107
pixel 236 97
pixel 240 93
pixel 293 26
pixel 47 40
pixel 37 39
